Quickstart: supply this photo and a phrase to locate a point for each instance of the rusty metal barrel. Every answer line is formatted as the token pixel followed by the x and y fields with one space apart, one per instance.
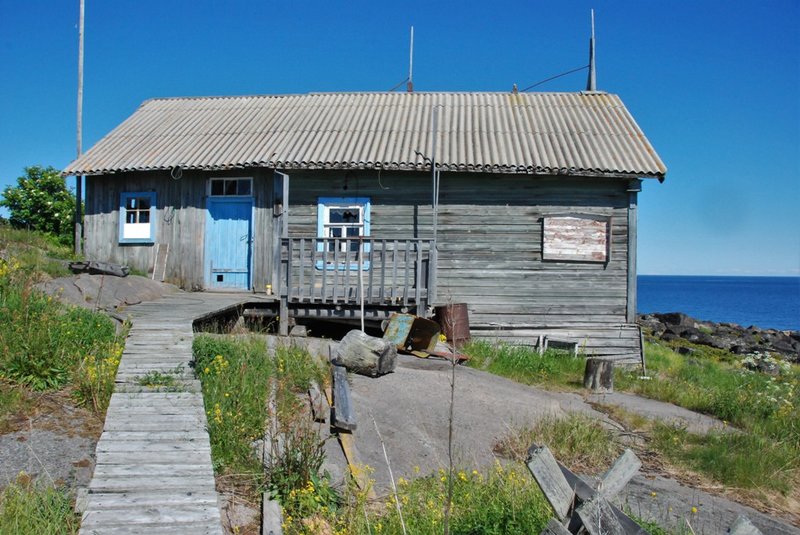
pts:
pixel 454 319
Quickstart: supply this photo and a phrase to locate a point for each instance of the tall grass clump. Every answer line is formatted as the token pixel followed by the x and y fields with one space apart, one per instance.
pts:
pixel 503 500
pixel 582 443
pixel 27 507
pixel 46 345
pixel 525 364
pixel 236 374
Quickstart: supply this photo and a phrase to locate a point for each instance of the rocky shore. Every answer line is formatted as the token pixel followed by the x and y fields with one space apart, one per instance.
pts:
pixel 731 337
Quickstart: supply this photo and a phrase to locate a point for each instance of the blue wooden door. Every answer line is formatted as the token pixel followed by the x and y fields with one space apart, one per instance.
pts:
pixel 229 240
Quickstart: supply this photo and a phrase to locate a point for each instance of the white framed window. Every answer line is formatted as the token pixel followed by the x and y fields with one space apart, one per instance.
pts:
pixel 137 217
pixel 343 217
pixel 230 187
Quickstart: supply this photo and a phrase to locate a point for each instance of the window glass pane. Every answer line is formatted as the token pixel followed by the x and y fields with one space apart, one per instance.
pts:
pixel 144 203
pixel 353 231
pixel 130 217
pixel 335 232
pixel 230 187
pixel 345 215
pixel 130 203
pixel 217 187
pixel 244 187
pixel 144 216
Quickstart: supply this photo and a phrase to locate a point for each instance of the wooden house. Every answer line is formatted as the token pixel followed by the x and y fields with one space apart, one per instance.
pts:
pixel 523 206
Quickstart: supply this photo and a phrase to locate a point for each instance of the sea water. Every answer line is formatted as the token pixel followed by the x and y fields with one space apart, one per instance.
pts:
pixel 766 302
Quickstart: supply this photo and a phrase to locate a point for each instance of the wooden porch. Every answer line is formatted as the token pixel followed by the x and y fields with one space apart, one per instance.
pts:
pixel 334 274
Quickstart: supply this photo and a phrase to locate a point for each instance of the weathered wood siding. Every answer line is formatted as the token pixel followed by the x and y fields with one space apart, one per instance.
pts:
pixel 180 222
pixel 490 248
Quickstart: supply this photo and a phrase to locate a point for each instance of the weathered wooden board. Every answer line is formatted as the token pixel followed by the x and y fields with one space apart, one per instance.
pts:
pixel 599 518
pixel 575 238
pixel 620 473
pixel 344 416
pixel 545 470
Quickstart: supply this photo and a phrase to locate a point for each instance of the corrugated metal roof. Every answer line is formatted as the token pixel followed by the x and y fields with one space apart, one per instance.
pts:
pixel 539 133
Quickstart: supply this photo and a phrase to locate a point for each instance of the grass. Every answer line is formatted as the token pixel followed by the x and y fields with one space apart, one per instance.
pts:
pixel 737 460
pixel 764 457
pixel 582 444
pixel 525 365
pixel 44 344
pixel 163 381
pixel 500 501
pixel 26 507
pixel 41 255
pixel 235 374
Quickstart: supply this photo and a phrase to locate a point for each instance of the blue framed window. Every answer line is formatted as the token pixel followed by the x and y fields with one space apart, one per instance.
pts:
pixel 137 217
pixel 343 217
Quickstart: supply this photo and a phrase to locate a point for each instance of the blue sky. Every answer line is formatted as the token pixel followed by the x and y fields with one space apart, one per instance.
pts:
pixel 714 85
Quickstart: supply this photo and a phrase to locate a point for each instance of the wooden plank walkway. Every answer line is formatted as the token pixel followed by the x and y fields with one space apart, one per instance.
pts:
pixel 153 469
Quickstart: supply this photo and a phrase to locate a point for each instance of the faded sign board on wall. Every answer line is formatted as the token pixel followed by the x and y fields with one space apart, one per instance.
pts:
pixel 576 238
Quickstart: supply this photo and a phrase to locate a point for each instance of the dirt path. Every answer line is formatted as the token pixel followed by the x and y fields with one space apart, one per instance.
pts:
pixel 411 408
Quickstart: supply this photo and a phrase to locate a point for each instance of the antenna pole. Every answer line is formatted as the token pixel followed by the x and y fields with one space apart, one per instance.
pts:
pixel 410 86
pixel 79 135
pixel 591 83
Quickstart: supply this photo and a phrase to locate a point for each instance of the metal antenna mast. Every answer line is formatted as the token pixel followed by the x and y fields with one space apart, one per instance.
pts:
pixel 410 85
pixel 591 83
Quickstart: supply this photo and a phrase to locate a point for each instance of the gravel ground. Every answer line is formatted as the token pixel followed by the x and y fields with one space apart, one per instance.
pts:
pixel 54 444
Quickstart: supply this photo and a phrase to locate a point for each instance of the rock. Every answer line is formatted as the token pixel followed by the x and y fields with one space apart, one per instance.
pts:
pixel 683 350
pixel 365 354
pixel 731 337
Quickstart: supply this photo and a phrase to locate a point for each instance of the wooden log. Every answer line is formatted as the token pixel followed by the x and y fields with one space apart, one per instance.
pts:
pixel 343 415
pixel 545 470
pixel 599 375
pixel 367 355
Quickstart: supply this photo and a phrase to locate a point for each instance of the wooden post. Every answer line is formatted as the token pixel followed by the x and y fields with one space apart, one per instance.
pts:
pixel 343 415
pixel 599 375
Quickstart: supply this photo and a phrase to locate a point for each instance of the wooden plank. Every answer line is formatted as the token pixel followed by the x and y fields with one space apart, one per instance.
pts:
pixel 343 414
pixel 161 457
pixel 271 517
pixel 620 473
pixel 599 519
pixel 554 527
pixel 126 483
pixel 544 468
pixel 174 514
pixel 115 470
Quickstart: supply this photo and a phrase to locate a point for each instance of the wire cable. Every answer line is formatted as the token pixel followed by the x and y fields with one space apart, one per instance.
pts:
pixel 553 78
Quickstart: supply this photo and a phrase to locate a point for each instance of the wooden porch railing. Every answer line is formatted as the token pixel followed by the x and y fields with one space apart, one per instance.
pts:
pixel 338 270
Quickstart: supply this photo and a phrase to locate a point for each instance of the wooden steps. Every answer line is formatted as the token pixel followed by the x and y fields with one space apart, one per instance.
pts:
pixel 153 471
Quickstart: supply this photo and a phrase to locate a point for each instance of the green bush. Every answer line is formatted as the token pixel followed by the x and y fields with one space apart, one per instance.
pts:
pixel 41 201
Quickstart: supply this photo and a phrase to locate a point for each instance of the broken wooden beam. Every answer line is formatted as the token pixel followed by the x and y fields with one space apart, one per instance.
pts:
pixel 343 415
